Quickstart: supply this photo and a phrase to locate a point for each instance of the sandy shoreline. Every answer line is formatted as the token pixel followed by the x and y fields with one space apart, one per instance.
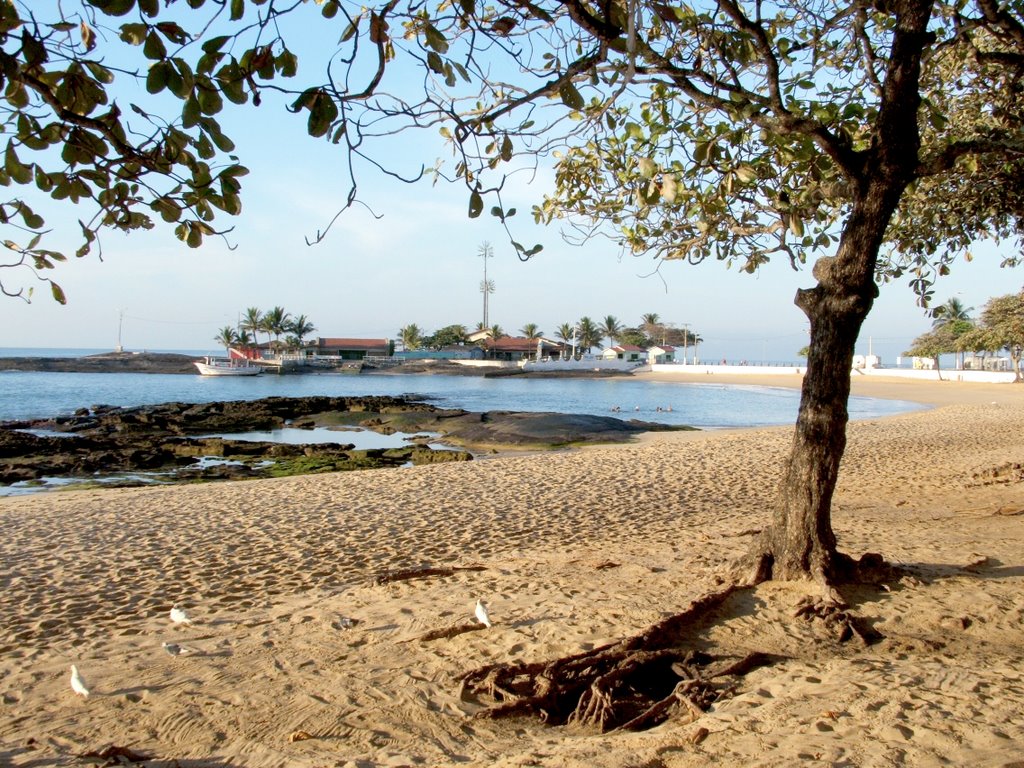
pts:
pixel 932 392
pixel 269 567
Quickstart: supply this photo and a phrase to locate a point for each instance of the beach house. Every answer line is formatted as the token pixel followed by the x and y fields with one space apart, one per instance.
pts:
pixel 628 352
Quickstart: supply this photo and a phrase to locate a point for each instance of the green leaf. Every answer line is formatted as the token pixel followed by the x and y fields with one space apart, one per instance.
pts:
pixel 173 32
pixel 746 173
pixel 134 34
pixel 287 63
pixel 476 204
pixel 114 7
pixel 156 79
pixel 237 9
pixel 232 84
pixel 209 101
pixel 322 114
pixel 154 47
pixel 58 293
pixel 647 167
pixel 435 63
pixel 570 96
pixel 20 173
pixel 506 149
pixel 350 31
pixel 435 39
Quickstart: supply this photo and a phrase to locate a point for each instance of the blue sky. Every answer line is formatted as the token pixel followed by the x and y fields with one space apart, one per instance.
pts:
pixel 419 264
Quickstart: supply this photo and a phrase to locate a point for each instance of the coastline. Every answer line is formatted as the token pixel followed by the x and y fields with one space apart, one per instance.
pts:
pixel 919 390
pixel 578 549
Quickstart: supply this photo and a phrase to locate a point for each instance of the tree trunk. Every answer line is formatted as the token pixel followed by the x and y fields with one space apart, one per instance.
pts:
pixel 800 543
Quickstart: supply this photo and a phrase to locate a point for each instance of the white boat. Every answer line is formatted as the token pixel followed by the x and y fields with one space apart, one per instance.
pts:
pixel 221 366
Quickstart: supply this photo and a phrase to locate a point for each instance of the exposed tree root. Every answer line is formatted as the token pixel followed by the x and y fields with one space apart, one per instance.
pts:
pixel 407 574
pixel 635 682
pixel 643 680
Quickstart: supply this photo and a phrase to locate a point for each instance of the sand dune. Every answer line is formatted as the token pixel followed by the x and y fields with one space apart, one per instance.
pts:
pixel 293 638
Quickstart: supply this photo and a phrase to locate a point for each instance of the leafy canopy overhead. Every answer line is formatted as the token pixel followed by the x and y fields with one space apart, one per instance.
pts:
pixel 739 131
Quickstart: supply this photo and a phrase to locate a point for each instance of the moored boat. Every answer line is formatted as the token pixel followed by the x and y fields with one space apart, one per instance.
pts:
pixel 219 366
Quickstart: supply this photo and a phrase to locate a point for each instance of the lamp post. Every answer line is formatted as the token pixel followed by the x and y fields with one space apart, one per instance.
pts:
pixel 486 286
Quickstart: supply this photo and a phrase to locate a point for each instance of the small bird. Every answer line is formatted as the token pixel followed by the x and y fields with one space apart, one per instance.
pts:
pixel 78 684
pixel 178 616
pixel 177 650
pixel 481 613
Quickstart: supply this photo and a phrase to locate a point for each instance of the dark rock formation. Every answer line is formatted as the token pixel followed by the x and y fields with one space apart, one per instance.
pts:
pixel 173 439
pixel 108 362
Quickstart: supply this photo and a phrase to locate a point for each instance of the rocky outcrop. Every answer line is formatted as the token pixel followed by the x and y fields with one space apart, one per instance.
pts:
pixel 192 441
pixel 108 362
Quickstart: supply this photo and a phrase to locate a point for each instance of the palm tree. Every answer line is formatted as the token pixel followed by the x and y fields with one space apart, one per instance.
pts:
pixel 300 327
pixel 531 331
pixel 496 331
pixel 411 336
pixel 589 334
pixel 226 337
pixel 276 321
pixel 651 325
pixel 953 309
pixel 611 327
pixel 955 317
pixel 243 339
pixel 566 332
pixel 252 321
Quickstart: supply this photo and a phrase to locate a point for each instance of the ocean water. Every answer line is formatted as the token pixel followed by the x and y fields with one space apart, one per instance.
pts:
pixel 25 395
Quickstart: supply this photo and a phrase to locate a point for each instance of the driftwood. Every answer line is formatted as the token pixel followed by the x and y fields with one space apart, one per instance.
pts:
pixel 114 755
pixel 407 574
pixel 449 632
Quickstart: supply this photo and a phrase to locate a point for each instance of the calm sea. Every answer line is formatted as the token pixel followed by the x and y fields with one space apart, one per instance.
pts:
pixel 38 395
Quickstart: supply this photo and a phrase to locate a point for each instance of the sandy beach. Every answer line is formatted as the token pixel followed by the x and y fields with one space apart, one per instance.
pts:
pixel 300 659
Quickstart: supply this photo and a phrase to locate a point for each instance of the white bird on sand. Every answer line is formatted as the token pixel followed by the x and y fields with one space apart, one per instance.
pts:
pixel 481 613
pixel 78 684
pixel 177 650
pixel 178 616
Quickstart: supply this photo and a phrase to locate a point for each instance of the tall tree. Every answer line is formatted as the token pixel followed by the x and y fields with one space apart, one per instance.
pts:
pixel 275 322
pixel 1002 319
pixel 952 310
pixel 411 336
pixel 531 331
pixel 589 334
pixel 611 328
pixel 955 316
pixel 934 343
pixel 252 321
pixel 226 337
pixel 566 333
pixel 448 336
pixel 300 327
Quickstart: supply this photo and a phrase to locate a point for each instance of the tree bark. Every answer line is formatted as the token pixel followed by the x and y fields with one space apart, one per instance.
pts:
pixel 800 543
